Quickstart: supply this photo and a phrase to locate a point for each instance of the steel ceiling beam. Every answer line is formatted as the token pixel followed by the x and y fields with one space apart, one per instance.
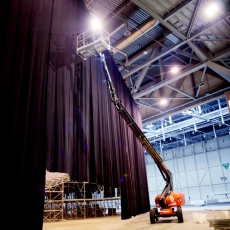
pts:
pixel 154 59
pixel 183 74
pixel 115 12
pixel 191 138
pixel 212 39
pixel 193 18
pixel 168 98
pixel 180 91
pixel 224 54
pixel 189 122
pixel 178 85
pixel 168 25
pixel 174 11
pixel 142 73
pixel 153 46
pixel 148 106
pixel 144 5
pixel 170 80
pixel 208 26
pixel 225 64
pixel 187 54
pixel 221 70
pixel 187 105
pixel 201 81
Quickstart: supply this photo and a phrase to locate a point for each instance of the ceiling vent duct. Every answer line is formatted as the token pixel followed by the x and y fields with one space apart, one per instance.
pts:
pixel 140 30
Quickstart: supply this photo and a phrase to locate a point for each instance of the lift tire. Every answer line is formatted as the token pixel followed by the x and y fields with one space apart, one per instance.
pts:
pixel 156 214
pixel 152 215
pixel 180 215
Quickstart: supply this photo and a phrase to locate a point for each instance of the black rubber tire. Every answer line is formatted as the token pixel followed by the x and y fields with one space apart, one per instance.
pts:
pixel 156 214
pixel 180 215
pixel 152 216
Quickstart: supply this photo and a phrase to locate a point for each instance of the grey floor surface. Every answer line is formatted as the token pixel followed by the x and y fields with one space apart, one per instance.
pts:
pixel 142 222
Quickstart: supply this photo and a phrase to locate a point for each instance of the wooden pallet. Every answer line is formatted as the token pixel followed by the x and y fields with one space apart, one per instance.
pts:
pixel 222 224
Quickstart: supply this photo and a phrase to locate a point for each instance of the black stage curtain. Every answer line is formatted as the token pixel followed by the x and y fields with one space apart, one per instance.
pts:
pixel 25 28
pixel 56 113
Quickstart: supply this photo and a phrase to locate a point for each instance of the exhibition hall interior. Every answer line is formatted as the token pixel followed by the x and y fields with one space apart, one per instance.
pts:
pixel 116 114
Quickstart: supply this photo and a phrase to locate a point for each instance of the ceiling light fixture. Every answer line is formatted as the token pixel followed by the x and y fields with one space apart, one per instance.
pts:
pixel 163 101
pixel 174 69
pixel 212 10
pixel 96 24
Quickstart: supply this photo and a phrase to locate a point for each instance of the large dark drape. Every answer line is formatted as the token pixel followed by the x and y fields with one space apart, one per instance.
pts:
pixel 56 112
pixel 25 29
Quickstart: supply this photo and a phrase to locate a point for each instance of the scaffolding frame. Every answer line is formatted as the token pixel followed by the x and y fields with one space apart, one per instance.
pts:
pixel 79 200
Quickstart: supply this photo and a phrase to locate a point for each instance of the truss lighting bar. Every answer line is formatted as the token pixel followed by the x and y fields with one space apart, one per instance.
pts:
pixel 190 122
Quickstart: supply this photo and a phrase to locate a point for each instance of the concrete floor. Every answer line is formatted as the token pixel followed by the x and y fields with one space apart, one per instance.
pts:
pixel 142 222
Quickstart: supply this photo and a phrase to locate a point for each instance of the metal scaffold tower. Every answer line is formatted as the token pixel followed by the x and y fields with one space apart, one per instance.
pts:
pixel 76 200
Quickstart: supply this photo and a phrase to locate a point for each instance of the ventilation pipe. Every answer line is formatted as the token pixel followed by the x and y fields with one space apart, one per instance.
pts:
pixel 142 29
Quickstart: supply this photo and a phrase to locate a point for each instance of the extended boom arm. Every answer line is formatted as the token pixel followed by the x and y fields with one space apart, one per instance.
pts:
pixel 167 175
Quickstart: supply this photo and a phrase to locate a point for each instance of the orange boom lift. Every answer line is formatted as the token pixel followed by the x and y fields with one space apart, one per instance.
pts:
pixel 168 203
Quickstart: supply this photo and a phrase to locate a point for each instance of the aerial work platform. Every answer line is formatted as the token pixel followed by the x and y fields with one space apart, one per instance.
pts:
pixel 92 42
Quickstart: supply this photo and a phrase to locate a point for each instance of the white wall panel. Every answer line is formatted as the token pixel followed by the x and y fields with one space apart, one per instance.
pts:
pixel 176 181
pixel 170 165
pixel 228 187
pixel 213 158
pixel 224 142
pixel 198 148
pixel 218 188
pixel 185 191
pixel 201 161
pixel 158 173
pixel 182 179
pixel 225 157
pixel 180 163
pixel 152 185
pixel 203 177
pixel 152 195
pixel 150 169
pixel 168 155
pixel 216 174
pixel 194 193
pixel 211 145
pixel 196 175
pixel 192 178
pixel 178 152
pixel 149 159
pixel 205 191
pixel 160 183
pixel 155 183
pixel 189 163
pixel 188 150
